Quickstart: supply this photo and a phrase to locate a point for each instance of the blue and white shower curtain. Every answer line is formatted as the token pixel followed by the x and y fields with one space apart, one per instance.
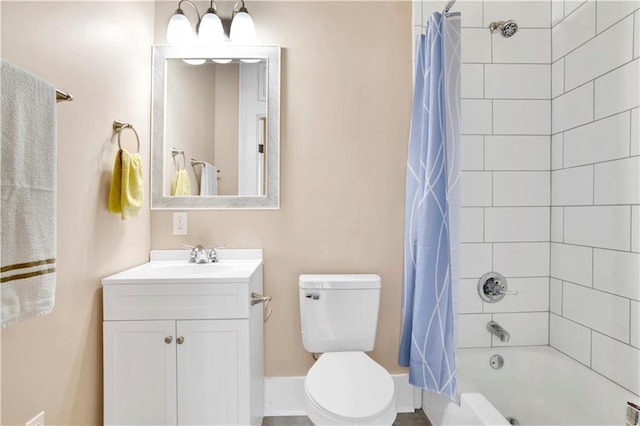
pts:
pixel 432 240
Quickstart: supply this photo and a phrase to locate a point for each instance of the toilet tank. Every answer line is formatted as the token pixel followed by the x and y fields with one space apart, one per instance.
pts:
pixel 339 312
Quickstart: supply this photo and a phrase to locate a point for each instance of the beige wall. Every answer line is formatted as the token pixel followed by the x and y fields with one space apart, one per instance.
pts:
pixel 225 137
pixel 346 98
pixel 99 52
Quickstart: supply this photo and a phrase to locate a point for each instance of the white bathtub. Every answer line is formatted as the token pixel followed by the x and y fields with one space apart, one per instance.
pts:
pixel 537 386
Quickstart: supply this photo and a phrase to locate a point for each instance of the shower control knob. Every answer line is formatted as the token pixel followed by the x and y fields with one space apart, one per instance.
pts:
pixel 168 339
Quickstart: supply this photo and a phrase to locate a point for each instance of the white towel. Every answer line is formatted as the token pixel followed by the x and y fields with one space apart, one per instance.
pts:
pixel 209 180
pixel 28 217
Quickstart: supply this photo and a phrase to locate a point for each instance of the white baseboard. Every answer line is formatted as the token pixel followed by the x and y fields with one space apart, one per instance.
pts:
pixel 284 396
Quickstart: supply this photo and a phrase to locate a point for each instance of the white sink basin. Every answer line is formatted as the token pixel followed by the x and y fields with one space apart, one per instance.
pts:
pixel 172 267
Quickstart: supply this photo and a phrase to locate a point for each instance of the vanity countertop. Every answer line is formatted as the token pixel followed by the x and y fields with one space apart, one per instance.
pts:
pixel 173 267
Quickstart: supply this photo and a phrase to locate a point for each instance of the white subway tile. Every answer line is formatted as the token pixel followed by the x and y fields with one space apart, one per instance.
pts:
pixel 525 328
pixel 533 296
pixel 635 129
pixel 636 35
pixel 517 81
pixel 574 30
pixel 476 189
pixel 555 296
pixel 512 224
pixel 470 302
pixel 470 10
pixel 598 226
pixel 416 13
pixel 471 225
pixel 601 54
pixel 570 338
pixel 618 182
pixel 517 152
pixel 471 152
pixel 475 45
pixel 635 228
pixel 529 46
pixel 600 311
pixel 475 260
pixel 635 323
pixel 476 116
pixel 617 361
pixel 557 11
pixel 524 117
pixel 572 186
pixel 521 259
pixel 618 90
pixel 617 272
pixel 602 140
pixel 528 14
pixel 472 331
pixel 557 78
pixel 472 81
pixel 557 223
pixel 611 11
pixel 557 143
pixel 571 263
pixel 573 108
pixel 571 5
pixel 521 188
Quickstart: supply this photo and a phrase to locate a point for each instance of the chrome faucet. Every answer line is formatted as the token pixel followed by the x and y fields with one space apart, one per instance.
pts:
pixel 496 329
pixel 199 254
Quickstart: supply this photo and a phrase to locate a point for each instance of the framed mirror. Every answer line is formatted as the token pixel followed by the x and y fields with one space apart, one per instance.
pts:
pixel 215 121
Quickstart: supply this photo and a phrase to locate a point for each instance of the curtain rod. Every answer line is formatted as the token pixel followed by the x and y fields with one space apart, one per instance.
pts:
pixel 63 96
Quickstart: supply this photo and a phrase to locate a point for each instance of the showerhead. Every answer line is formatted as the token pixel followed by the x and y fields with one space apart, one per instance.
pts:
pixel 506 28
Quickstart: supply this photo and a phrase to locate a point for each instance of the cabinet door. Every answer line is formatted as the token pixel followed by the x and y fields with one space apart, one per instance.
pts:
pixel 139 373
pixel 213 372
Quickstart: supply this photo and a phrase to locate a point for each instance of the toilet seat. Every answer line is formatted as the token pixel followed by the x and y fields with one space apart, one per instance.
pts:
pixel 350 387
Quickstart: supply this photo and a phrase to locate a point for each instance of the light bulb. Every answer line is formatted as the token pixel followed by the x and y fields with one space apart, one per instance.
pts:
pixel 210 31
pixel 179 30
pixel 242 29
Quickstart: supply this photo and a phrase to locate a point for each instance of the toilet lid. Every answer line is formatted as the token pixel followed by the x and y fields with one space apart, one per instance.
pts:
pixel 349 385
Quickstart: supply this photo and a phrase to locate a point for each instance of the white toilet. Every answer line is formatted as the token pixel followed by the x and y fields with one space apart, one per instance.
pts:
pixel 339 315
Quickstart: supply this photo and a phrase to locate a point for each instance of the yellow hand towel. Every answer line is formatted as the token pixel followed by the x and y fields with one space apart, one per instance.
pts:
pixel 181 184
pixel 126 194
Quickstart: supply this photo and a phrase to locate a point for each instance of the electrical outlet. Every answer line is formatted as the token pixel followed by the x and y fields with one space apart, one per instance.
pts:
pixel 180 223
pixel 37 420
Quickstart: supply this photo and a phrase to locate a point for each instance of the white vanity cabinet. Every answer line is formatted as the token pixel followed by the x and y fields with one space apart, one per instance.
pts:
pixel 183 350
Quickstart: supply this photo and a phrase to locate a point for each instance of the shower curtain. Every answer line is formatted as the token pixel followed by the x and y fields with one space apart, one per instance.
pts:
pixel 428 341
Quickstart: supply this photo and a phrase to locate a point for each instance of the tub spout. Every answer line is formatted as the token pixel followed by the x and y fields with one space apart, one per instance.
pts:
pixel 496 329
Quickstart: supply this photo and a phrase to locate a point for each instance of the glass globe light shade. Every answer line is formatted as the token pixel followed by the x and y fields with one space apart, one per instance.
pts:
pixel 210 30
pixel 242 29
pixel 179 30
pixel 194 61
pixel 221 61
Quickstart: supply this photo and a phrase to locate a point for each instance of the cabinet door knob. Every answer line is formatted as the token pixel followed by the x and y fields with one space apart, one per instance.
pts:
pixel 180 340
pixel 168 339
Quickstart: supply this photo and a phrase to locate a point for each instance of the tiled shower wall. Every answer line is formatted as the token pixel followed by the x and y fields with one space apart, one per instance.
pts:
pixel 506 128
pixel 595 260
pixel 551 176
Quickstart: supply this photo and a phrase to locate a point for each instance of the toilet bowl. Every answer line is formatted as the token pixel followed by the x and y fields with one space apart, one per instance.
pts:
pixel 349 388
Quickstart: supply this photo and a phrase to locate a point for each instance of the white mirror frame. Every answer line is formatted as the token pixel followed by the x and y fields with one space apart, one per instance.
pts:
pixel 271 200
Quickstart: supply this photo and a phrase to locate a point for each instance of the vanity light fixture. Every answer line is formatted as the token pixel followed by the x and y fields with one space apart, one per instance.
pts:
pixel 209 28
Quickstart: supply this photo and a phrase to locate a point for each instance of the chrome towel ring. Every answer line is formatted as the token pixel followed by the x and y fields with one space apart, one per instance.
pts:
pixel 119 126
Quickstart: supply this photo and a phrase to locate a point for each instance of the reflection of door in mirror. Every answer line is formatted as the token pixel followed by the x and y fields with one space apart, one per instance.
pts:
pixel 201 116
pixel 252 131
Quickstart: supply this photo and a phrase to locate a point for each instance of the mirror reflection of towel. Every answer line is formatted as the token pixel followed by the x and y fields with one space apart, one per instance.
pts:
pixel 181 184
pixel 209 180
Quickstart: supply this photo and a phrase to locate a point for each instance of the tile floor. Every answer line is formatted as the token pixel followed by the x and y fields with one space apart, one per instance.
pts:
pixel 417 418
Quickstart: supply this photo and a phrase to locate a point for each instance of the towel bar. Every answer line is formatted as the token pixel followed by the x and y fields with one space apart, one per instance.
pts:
pixel 119 126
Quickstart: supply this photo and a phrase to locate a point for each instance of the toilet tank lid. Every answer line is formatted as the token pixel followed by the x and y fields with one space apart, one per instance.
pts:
pixel 339 281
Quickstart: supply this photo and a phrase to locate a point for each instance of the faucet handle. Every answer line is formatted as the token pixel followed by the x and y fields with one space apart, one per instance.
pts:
pixel 501 289
pixel 213 255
